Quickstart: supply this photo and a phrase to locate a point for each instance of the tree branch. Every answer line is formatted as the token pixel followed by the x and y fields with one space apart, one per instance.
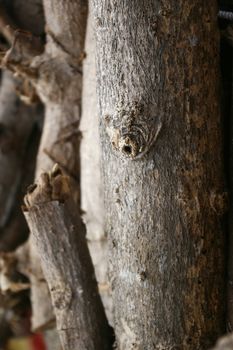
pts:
pixel 59 86
pixel 65 28
pixel 59 236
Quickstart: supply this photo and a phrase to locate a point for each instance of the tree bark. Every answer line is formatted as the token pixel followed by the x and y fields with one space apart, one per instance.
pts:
pixel 56 73
pixel 59 85
pixel 92 188
pixel 59 236
pixel 91 181
pixel 162 165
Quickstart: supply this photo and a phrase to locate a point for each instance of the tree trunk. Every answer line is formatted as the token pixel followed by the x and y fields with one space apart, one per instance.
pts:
pixel 163 176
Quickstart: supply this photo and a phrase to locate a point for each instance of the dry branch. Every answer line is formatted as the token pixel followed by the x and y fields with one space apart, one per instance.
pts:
pixel 59 85
pixel 56 73
pixel 59 236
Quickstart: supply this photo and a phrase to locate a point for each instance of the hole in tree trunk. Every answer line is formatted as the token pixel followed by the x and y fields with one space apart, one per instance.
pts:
pixel 127 149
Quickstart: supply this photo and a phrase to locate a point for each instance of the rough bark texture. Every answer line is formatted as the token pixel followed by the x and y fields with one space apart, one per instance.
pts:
pixel 164 200
pixel 59 85
pixel 91 181
pixel 59 236
pixel 56 73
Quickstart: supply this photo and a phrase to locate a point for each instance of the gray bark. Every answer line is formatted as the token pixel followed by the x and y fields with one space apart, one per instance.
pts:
pixel 56 74
pixel 91 182
pixel 59 85
pixel 59 236
pixel 91 185
pixel 162 166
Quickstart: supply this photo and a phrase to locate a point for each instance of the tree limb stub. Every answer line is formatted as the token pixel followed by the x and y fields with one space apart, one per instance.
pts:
pixel 59 236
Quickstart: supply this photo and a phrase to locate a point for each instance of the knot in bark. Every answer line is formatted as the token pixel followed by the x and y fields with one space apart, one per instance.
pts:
pixel 61 295
pixel 132 130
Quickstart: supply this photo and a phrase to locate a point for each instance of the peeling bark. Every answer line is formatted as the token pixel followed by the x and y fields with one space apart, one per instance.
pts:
pixel 59 236
pixel 162 165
